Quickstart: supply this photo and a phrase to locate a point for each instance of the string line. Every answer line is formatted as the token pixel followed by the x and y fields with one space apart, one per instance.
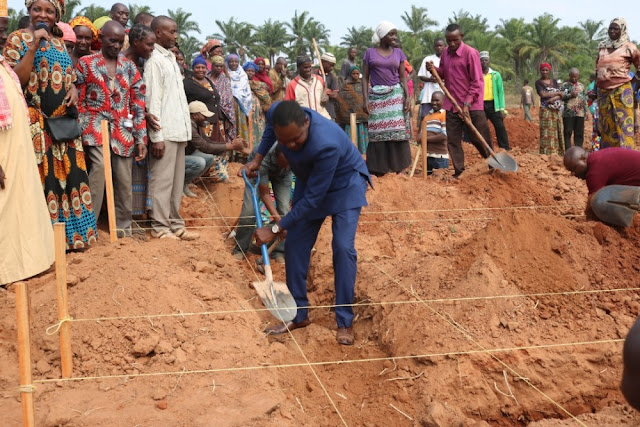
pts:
pixel 304 356
pixel 337 362
pixel 359 304
pixel 482 348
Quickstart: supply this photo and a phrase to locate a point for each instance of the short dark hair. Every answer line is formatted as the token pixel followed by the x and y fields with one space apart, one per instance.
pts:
pixel 438 92
pixel 116 5
pixel 303 59
pixel 452 28
pixel 139 32
pixel 439 39
pixel 24 22
pixel 525 81
pixel 288 112
pixel 140 17
pixel 159 20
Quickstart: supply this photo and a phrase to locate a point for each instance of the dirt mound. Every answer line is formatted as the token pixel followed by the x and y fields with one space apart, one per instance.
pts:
pixel 447 269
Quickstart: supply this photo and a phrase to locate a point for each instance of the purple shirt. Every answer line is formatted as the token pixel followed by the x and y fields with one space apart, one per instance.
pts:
pixel 383 70
pixel 462 72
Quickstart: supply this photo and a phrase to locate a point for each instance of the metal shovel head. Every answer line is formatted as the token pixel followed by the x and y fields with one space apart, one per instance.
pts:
pixel 503 161
pixel 616 204
pixel 277 298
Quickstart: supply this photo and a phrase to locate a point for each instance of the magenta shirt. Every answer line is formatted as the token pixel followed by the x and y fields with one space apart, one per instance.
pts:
pixel 462 73
pixel 383 70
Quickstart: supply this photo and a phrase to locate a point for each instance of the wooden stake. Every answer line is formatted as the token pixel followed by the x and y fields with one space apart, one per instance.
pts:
pixel 66 360
pixel 415 162
pixel 108 181
pixel 24 354
pixel 251 130
pixel 424 148
pixel 354 129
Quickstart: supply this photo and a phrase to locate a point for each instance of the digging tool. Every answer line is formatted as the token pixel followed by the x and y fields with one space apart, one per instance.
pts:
pixel 501 161
pixel 274 295
pixel 616 204
pixel 259 265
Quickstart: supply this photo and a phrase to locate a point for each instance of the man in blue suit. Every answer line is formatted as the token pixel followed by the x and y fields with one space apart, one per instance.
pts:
pixel 331 180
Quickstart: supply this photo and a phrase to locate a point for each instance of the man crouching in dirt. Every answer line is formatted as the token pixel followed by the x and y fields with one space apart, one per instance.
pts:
pixel 331 180
pixel 631 373
pixel 609 166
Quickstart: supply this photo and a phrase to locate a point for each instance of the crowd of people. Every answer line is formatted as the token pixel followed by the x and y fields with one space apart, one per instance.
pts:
pixel 173 119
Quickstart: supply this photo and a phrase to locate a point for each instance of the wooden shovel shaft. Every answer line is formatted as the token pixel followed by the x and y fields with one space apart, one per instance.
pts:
pixel 466 119
pixel 315 47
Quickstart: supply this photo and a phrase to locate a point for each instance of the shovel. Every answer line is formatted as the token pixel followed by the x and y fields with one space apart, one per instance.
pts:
pixel 616 204
pixel 501 161
pixel 274 295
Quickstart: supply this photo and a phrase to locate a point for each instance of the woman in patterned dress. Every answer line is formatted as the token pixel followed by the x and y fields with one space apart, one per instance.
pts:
pixel 260 103
pixel 551 132
pixel 47 77
pixel 615 92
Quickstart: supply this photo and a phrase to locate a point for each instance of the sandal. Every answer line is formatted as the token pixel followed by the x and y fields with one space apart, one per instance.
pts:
pixel 345 336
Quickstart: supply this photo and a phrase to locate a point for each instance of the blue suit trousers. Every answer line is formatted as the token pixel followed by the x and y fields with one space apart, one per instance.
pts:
pixel 301 238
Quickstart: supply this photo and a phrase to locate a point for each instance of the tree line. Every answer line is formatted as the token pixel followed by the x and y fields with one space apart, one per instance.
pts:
pixel 517 47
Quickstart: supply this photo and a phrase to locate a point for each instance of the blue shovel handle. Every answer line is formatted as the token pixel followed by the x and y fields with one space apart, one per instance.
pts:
pixel 256 211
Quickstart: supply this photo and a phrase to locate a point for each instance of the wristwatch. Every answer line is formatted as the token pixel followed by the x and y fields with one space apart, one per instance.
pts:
pixel 275 228
pixel 467 104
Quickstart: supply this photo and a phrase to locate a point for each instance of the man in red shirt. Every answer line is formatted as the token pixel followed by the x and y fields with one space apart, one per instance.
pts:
pixel 461 70
pixel 610 166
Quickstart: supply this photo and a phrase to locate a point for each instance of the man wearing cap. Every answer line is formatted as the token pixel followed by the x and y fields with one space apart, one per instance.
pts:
pixel 331 81
pixel 200 151
pixel 308 89
pixel 494 104
pixel 110 88
pixel 167 101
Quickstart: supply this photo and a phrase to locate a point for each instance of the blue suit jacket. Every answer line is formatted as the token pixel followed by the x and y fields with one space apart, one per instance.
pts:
pixel 331 176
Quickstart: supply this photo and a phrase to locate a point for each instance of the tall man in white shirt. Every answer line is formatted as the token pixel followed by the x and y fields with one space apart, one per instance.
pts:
pixel 430 84
pixel 167 101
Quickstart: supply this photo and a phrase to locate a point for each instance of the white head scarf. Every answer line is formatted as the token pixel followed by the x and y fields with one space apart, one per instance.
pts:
pixel 624 36
pixel 382 29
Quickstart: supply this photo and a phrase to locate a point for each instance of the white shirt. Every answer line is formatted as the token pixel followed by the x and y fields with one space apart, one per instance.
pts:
pixel 429 88
pixel 166 98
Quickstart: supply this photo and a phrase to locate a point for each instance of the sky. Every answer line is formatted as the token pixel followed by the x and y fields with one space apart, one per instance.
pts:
pixel 338 15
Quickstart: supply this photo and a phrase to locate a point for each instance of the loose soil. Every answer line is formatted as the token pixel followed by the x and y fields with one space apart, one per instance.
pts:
pixel 432 255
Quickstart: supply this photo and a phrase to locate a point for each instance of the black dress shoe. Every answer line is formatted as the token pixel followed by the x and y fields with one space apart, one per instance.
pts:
pixel 281 328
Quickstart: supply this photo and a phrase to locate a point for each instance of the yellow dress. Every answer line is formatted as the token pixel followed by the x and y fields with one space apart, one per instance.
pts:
pixel 26 235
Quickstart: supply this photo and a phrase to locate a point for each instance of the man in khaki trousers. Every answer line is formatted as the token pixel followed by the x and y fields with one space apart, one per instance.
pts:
pixel 167 101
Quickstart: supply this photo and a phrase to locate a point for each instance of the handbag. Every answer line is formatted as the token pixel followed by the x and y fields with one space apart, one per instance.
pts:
pixel 64 128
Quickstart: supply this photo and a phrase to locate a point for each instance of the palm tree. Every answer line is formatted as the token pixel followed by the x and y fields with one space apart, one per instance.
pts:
pixel 546 43
pixel 190 46
pixel 470 24
pixel 418 20
pixel 316 30
pixel 297 26
pixel 70 10
pixel 272 37
pixel 185 24
pixel 591 28
pixel 93 12
pixel 14 17
pixel 134 10
pixel 514 33
pixel 360 38
pixel 236 36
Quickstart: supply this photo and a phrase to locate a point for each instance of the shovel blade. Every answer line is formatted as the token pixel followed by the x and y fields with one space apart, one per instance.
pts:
pixel 616 204
pixel 503 162
pixel 277 299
